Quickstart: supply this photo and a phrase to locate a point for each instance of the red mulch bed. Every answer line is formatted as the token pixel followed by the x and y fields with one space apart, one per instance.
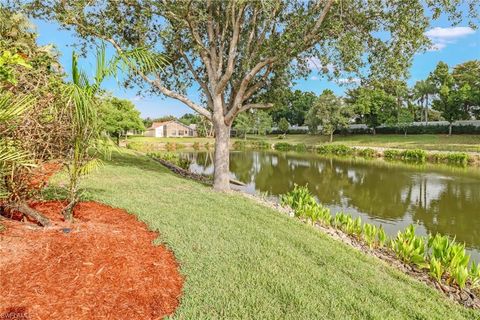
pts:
pixel 104 267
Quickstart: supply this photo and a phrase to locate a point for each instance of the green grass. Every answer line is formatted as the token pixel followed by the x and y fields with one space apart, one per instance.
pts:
pixel 242 260
pixel 459 143
pixel 467 143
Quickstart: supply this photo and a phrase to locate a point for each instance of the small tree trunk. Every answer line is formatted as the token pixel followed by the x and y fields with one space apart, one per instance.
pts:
pixel 24 209
pixel 221 175
pixel 426 110
pixel 450 129
pixel 374 131
pixel 331 136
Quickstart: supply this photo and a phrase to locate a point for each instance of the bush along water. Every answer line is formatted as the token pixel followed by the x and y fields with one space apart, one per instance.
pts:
pixel 442 258
pixel 171 157
pixel 452 158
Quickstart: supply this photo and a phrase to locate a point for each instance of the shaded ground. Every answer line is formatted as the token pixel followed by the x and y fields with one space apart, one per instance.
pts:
pixel 104 267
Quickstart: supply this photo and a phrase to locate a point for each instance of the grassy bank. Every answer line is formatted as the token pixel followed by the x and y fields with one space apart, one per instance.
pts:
pixel 459 143
pixel 244 261
pixel 464 143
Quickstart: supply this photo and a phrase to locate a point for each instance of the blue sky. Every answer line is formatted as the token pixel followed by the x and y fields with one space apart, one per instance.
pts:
pixel 453 45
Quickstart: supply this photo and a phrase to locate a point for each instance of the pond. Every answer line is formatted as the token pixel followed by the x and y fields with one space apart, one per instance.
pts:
pixel 434 198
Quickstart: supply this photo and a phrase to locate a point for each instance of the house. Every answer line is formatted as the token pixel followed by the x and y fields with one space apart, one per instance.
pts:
pixel 171 128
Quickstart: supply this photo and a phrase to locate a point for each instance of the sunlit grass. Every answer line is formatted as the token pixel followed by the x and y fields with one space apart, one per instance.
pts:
pixel 242 260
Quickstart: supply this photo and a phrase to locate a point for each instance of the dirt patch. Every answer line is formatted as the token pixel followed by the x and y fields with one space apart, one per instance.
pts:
pixel 104 266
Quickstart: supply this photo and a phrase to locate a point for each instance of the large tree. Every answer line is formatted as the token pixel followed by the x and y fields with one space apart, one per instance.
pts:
pixel 235 50
pixel 450 100
pixel 117 116
pixel 332 113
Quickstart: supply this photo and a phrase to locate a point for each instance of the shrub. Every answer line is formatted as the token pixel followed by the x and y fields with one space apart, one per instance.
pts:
pixel 239 145
pixel 196 145
pixel 207 145
pixel 415 155
pixel 261 145
pixel 392 154
pixel 453 158
pixel 335 149
pixel 283 146
pixel 301 147
pixel 171 146
pixel 367 153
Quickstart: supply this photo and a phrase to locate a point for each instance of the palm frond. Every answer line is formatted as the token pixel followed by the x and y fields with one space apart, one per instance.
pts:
pixel 90 166
pixel 11 108
pixel 144 60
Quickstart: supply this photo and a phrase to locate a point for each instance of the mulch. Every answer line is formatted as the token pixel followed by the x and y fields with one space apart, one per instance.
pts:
pixel 103 266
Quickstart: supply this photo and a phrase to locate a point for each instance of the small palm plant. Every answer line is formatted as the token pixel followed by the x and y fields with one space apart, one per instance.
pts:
pixel 87 139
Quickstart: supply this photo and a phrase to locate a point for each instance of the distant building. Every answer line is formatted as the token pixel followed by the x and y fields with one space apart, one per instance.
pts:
pixel 170 129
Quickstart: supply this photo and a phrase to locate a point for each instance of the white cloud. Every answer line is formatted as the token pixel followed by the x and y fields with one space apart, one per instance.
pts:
pixel 348 80
pixel 441 37
pixel 449 33
pixel 314 78
pixel 315 64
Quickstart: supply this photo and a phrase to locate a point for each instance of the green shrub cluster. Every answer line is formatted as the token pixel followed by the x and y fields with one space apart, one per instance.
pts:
pixel 283 146
pixel 335 149
pixel 441 257
pixel 415 155
pixel 367 153
pixel 260 145
pixel 301 147
pixel 453 158
pixel 239 145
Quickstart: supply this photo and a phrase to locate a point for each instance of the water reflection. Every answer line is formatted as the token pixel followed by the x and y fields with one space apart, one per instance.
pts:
pixel 440 199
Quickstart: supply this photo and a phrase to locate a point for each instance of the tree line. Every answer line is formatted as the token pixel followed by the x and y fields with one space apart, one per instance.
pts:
pixel 448 94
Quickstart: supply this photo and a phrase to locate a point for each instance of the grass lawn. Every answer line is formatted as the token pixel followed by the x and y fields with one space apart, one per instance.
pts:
pixel 245 261
pixel 465 143
pixel 470 143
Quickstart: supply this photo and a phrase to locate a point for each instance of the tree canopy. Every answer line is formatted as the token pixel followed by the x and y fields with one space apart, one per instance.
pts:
pixel 235 51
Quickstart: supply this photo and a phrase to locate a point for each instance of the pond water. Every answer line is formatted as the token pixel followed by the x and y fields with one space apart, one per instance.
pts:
pixel 434 198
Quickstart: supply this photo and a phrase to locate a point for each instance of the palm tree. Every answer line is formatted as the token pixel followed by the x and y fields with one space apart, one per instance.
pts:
pixel 422 91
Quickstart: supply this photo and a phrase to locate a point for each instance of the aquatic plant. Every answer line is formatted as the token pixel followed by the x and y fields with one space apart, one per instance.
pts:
pixel 367 153
pixel 409 247
pixel 415 155
pixel 452 158
pixel 369 234
pixel 382 236
pixel 335 149
pixel 298 198
pixel 283 146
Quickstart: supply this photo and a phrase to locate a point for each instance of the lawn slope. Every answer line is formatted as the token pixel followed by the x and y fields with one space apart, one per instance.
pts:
pixel 244 261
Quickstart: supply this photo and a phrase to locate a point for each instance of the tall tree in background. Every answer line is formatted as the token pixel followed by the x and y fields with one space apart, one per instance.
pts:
pixel 236 50
pixel 422 91
pixel 467 76
pixel 243 124
pixel 374 106
pixel 291 105
pixel 448 100
pixel 117 116
pixel 332 113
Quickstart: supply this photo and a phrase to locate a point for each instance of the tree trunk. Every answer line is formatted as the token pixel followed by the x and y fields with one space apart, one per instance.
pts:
pixel 374 131
pixel 426 110
pixel 24 209
pixel 221 175
pixel 331 136
pixel 450 128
